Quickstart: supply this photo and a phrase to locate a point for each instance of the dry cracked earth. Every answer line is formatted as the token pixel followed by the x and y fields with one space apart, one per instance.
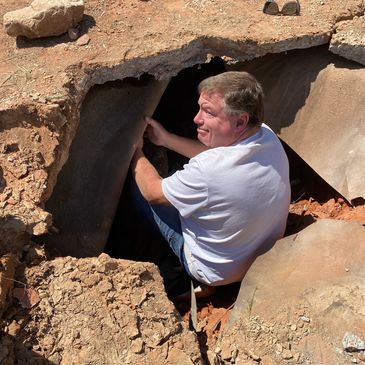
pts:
pixel 301 303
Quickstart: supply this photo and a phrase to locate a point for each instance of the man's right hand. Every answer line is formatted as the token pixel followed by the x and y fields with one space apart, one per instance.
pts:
pixel 158 135
pixel 155 132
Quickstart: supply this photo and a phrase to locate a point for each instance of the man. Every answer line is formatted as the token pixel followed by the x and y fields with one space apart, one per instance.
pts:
pixel 231 200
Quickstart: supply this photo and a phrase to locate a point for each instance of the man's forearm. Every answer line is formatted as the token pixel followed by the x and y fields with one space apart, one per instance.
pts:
pixel 147 179
pixel 184 146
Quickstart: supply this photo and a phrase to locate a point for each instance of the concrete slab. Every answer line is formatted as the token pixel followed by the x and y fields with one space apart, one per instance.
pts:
pixel 303 296
pixel 315 101
pixel 349 40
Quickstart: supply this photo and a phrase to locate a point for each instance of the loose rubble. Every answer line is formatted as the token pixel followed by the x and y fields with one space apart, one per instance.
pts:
pixel 95 310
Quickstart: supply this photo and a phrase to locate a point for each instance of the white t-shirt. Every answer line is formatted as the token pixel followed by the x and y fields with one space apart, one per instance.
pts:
pixel 232 201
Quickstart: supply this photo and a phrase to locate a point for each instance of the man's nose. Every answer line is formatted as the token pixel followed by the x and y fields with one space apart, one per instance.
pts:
pixel 197 118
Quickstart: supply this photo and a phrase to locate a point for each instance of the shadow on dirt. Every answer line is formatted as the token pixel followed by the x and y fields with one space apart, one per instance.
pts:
pixel 2 180
pixel 17 342
pixel 22 353
pixel 87 23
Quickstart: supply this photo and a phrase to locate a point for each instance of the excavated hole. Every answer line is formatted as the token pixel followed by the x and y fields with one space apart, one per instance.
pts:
pixel 126 236
pixel 120 232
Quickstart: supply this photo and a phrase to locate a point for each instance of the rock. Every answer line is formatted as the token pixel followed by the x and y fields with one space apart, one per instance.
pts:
pixel 349 40
pixel 83 40
pixel 13 328
pixel 305 319
pixel 28 297
pixel 35 254
pixel 176 356
pixel 279 348
pixel 12 201
pixel 44 18
pixel 226 353
pixel 3 197
pixel 361 356
pixel 297 357
pixel 286 355
pixel 137 346
pixel 218 350
pixel 352 343
pixel 253 356
pixel 73 33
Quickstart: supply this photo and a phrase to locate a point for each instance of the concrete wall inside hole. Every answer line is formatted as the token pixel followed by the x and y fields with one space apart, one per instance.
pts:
pixel 88 187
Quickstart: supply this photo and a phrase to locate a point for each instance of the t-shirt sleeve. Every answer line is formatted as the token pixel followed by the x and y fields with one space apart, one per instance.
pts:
pixel 186 189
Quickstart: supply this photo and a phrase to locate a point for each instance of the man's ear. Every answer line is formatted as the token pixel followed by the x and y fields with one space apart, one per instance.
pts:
pixel 242 122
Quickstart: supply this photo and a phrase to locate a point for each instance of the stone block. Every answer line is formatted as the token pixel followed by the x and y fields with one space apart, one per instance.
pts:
pixel 44 18
pixel 349 40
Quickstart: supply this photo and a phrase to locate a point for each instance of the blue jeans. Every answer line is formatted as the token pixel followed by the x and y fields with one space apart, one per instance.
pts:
pixel 166 220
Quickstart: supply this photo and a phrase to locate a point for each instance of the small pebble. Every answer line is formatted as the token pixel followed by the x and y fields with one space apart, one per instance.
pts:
pixel 12 201
pixel 297 357
pixel 83 40
pixel 286 355
pixel 254 356
pixel 352 343
pixel 73 33
pixel 3 197
pixel 361 356
pixel 305 319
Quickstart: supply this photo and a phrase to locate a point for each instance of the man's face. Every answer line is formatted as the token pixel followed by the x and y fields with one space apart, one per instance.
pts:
pixel 216 128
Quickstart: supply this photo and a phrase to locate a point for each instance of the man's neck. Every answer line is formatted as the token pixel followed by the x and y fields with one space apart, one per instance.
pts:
pixel 249 132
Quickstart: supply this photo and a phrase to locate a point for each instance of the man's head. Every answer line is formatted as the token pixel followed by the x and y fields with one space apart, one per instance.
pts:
pixel 241 93
pixel 231 107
